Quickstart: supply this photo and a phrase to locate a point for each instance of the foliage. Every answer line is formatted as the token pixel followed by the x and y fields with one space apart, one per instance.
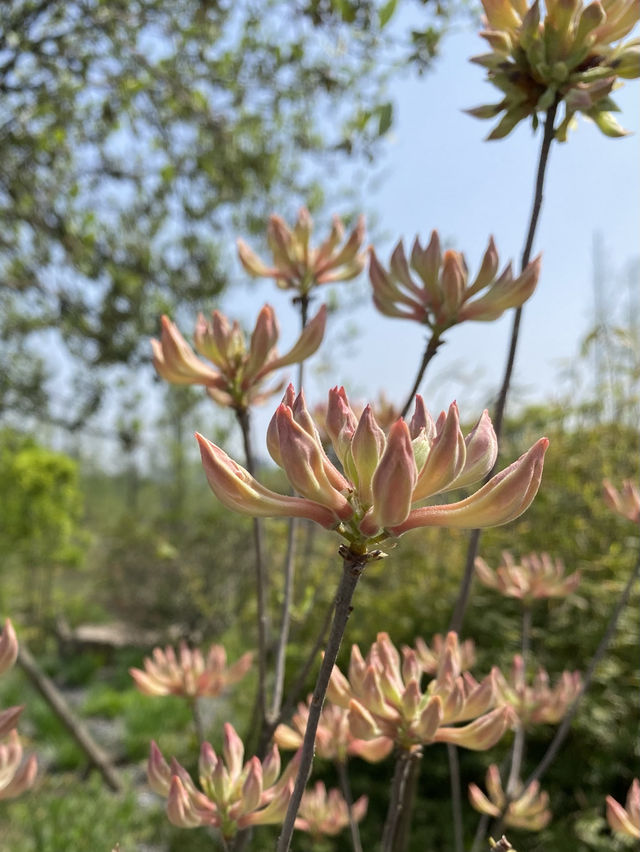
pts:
pixel 40 522
pixel 132 134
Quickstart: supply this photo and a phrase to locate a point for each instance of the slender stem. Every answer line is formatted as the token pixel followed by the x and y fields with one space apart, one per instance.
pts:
pixel 197 719
pixel 395 799
pixel 456 797
pixel 481 832
pixel 430 350
pixel 289 571
pixel 305 668
pixel 526 632
pixel 517 753
pixel 345 786
pixel 498 416
pixel 242 415
pixel 563 730
pixel 519 740
pixel 401 800
pixel 285 620
pixel 404 823
pixel 353 567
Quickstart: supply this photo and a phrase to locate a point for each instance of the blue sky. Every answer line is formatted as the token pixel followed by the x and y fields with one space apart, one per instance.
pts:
pixel 439 173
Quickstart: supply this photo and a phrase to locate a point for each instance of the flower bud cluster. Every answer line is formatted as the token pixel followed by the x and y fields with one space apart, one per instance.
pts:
pixel 325 814
pixel 527 809
pixel 234 794
pixel 240 368
pixel 334 739
pixel 626 821
pixel 188 673
pixel 297 266
pixel 535 576
pixel 384 696
pixel 439 293
pixel 569 54
pixel 16 776
pixel 625 502
pixel 382 476
pixel 431 657
pixel 537 703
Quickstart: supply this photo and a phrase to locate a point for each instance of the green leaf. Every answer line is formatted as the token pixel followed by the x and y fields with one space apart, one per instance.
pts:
pixel 386 12
pixel 385 117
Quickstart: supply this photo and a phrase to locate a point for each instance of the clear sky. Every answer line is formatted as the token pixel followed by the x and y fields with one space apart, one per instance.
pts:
pixel 439 173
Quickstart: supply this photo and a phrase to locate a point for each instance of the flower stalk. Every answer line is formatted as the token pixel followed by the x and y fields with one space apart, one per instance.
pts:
pixel 345 787
pixel 262 580
pixel 353 566
pixel 474 539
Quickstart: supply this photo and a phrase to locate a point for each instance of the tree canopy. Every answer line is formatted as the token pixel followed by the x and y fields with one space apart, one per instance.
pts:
pixel 133 134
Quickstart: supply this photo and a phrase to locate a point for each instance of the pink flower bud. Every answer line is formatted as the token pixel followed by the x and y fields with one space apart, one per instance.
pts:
pixel 238 490
pixel 479 735
pixel 233 751
pixel 176 362
pixel 393 482
pixel 15 776
pixel 252 787
pixel 535 576
pixel 305 464
pixel 9 719
pixel 626 502
pixel 252 262
pixel 341 422
pixel 361 722
pixel 481 452
pixel 8 647
pixel 298 266
pixel 158 772
pixel 367 446
pixel 625 821
pixel 446 457
pixel 526 810
pixel 430 719
pixel 180 810
pixel 271 767
pixel 506 496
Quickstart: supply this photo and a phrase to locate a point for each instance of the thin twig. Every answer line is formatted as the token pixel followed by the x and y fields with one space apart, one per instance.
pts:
pixel 301 678
pixel 456 797
pixel 519 740
pixel 289 571
pixel 285 621
pixel 345 786
pixel 474 541
pixel 96 755
pixel 404 822
pixel 353 567
pixel 401 800
pixel 430 350
pixel 242 415
pixel 197 719
pixel 481 832
pixel 398 783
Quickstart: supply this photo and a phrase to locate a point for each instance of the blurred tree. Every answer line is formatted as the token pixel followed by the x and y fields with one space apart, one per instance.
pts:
pixel 39 523
pixel 132 134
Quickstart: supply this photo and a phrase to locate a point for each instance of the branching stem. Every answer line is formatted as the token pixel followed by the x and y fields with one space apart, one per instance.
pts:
pixel 430 350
